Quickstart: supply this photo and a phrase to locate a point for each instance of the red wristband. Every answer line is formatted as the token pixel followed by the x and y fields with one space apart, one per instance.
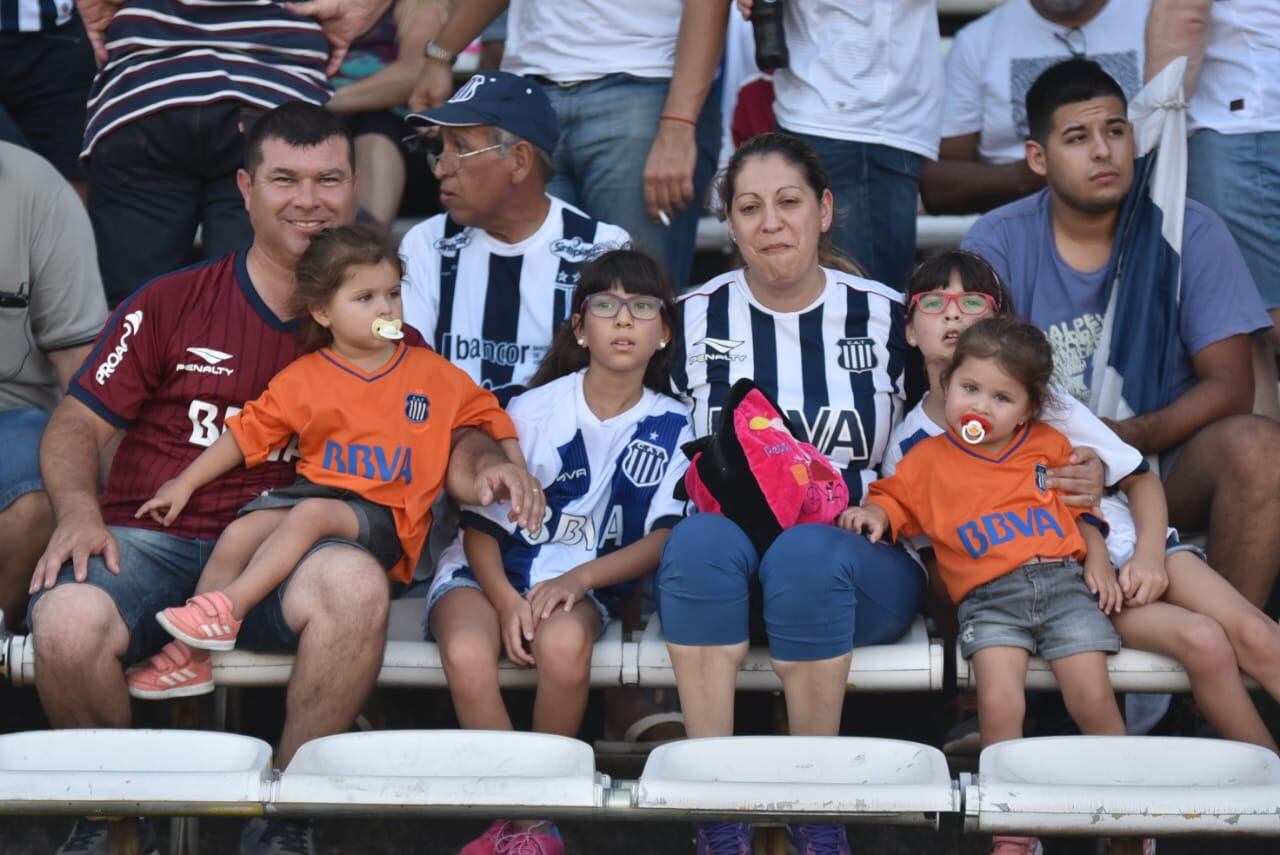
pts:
pixel 665 118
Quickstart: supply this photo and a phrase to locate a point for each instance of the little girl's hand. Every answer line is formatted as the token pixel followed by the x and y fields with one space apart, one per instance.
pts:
pixel 1101 579
pixel 517 630
pixel 862 521
pixel 545 596
pixel 166 504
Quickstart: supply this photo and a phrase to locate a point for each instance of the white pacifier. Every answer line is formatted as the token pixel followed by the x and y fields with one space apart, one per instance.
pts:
pixel 388 329
pixel 973 429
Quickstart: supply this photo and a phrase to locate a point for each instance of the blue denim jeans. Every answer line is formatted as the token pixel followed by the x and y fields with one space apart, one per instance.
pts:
pixel 20 431
pixel 824 590
pixel 1238 176
pixel 876 189
pixel 606 129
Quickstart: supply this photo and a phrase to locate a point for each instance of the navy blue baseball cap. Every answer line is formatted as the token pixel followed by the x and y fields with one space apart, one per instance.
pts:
pixel 508 101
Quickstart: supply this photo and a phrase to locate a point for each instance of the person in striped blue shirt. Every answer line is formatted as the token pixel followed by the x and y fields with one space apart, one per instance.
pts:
pixel 828 345
pixel 46 66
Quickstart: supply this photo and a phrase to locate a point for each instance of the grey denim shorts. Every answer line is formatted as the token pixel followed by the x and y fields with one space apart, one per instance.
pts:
pixel 1042 607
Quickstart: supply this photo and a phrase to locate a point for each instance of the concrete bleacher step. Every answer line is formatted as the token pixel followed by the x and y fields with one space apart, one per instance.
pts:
pixel 795 777
pixel 1124 786
pixel 133 772
pixel 443 771
pixel 911 664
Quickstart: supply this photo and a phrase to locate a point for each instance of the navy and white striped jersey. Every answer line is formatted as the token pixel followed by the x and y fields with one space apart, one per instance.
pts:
pixel 172 53
pixel 607 483
pixel 835 368
pixel 489 307
pixel 34 16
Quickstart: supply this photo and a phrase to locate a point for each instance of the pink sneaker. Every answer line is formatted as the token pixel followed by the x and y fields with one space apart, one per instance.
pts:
pixel 486 843
pixel 171 673
pixel 541 839
pixel 205 622
pixel 1001 845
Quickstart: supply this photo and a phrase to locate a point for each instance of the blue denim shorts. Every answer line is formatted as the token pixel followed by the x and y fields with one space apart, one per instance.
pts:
pixel 1042 607
pixel 20 431
pixel 158 570
pixel 463 579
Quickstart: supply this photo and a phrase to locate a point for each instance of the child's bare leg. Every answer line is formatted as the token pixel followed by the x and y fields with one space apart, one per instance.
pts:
pixel 562 648
pixel 235 547
pixel 1254 636
pixel 305 523
pixel 465 625
pixel 1001 677
pixel 1201 645
pixel 1087 693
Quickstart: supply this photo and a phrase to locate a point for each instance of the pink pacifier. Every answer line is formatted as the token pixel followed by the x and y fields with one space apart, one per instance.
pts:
pixel 973 428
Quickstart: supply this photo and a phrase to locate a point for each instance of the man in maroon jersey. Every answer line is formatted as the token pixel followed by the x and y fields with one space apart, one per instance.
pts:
pixel 176 358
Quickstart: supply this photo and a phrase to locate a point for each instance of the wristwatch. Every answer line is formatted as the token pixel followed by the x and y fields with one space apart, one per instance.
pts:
pixel 431 50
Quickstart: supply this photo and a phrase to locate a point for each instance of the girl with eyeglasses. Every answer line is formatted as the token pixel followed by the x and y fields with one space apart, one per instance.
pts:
pixel 603 438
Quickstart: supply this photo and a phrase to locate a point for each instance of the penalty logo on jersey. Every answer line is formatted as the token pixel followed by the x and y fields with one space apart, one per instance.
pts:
pixel 856 354
pixel 416 407
pixel 644 463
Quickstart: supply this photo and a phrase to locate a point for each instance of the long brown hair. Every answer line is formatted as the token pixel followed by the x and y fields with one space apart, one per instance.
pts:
pixel 797 154
pixel 324 267
pixel 638 273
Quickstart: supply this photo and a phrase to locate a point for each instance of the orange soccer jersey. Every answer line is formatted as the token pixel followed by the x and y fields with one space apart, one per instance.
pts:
pixel 384 435
pixel 985 516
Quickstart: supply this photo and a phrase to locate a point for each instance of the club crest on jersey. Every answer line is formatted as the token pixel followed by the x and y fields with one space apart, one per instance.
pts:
pixel 856 354
pixel 416 407
pixel 573 249
pixel 718 350
pixel 449 247
pixel 1042 478
pixel 132 322
pixel 644 463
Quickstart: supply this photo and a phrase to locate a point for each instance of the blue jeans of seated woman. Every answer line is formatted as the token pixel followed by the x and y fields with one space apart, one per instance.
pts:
pixel 824 590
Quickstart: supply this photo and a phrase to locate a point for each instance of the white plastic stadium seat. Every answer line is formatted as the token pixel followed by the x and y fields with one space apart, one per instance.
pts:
pixel 911 664
pixel 1130 671
pixel 1125 786
pixel 410 661
pixel 514 774
pixel 156 772
pixel 799 776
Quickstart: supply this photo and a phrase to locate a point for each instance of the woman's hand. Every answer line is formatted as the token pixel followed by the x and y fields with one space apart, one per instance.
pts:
pixel 517 629
pixel 568 588
pixel 1080 481
pixel 870 521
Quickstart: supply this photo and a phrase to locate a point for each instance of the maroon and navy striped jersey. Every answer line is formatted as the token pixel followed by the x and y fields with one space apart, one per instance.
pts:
pixel 174 361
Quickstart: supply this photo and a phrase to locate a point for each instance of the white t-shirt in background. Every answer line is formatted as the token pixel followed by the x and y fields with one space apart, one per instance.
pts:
pixel 995 59
pixel 575 40
pixel 867 71
pixel 1239 88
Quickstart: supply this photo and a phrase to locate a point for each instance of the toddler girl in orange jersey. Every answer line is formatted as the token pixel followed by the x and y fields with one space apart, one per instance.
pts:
pixel 374 420
pixel 1029 573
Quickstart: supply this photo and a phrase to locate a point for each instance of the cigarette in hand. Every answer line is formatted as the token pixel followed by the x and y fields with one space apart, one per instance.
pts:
pixel 664 219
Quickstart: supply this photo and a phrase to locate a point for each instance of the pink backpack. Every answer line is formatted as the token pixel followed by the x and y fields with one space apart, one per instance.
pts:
pixel 755 472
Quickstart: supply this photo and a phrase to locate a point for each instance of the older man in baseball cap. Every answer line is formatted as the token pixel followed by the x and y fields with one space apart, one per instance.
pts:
pixel 488 282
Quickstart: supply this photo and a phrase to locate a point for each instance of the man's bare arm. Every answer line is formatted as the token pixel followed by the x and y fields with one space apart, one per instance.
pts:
pixel 959 183
pixel 1177 28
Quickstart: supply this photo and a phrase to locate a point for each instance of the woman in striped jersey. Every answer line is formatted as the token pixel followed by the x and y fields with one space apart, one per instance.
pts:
pixel 828 346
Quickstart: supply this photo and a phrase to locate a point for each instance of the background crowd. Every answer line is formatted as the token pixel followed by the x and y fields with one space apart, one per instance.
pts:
pixel 166 164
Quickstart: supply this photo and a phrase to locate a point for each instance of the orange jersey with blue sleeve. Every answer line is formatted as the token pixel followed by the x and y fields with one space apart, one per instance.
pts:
pixel 384 435
pixel 985 515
